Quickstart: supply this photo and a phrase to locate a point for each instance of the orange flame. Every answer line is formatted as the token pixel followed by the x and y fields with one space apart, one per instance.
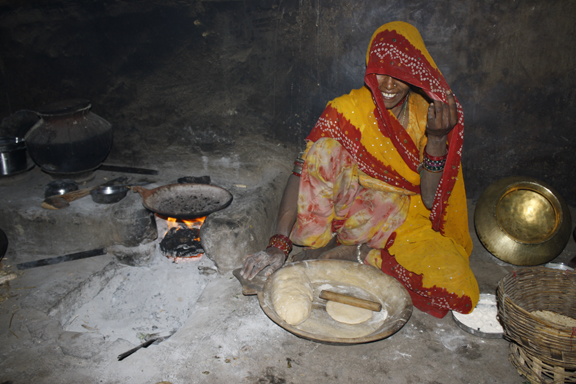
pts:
pixel 191 224
pixel 194 223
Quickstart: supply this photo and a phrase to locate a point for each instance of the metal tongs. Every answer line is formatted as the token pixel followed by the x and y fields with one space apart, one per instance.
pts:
pixel 146 344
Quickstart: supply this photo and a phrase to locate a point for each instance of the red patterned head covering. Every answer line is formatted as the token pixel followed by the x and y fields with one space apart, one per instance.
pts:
pixel 397 50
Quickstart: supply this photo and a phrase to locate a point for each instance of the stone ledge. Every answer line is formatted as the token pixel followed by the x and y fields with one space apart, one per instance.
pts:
pixel 256 182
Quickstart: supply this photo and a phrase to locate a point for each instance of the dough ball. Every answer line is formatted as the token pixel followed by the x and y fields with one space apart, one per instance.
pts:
pixel 292 295
pixel 347 314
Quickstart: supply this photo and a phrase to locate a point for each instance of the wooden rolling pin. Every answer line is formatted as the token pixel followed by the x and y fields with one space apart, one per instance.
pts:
pixel 351 300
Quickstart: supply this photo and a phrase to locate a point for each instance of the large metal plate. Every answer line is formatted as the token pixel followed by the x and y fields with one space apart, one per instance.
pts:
pixel 349 278
pixel 522 221
pixel 185 201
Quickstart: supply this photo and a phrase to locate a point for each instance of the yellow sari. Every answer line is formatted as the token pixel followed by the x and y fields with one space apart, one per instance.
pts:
pixel 360 180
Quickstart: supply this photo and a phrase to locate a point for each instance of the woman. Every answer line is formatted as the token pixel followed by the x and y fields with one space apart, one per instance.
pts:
pixel 381 182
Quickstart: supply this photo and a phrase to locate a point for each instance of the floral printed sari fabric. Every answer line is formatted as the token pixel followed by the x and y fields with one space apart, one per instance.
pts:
pixel 360 180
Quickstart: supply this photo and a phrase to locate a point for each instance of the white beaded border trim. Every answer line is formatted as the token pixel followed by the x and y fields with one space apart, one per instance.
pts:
pixel 358 253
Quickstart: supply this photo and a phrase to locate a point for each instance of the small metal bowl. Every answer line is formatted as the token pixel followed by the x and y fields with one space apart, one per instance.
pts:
pixel 59 187
pixel 109 194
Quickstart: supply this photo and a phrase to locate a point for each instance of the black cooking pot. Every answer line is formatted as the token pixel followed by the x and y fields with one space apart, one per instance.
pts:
pixel 69 141
pixel 12 156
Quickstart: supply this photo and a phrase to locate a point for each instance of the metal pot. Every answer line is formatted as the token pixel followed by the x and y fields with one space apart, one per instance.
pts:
pixel 69 141
pixel 59 187
pixel 13 157
pixel 109 194
pixel 185 201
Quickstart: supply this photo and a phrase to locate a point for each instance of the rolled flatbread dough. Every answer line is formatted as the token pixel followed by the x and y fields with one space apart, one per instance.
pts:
pixel 292 295
pixel 347 314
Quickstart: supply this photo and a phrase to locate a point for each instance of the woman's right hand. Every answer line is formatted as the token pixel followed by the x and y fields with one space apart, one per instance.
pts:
pixel 442 118
pixel 269 260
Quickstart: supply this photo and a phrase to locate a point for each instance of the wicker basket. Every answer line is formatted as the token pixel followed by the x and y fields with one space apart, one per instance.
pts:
pixel 537 371
pixel 543 347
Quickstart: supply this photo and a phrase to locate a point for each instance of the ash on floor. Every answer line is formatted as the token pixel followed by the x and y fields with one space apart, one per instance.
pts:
pixel 140 301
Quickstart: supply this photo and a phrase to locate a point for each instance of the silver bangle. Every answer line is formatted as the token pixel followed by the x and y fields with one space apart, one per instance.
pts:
pixel 358 253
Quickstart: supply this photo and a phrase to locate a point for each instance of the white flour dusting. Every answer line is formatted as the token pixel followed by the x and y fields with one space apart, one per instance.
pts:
pixel 483 317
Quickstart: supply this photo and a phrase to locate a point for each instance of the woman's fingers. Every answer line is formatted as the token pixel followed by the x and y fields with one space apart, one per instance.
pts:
pixel 435 116
pixel 268 271
pixel 431 123
pixel 453 110
pixel 442 117
pixel 276 264
pixel 247 268
pixel 272 259
pixel 445 116
pixel 253 265
pixel 439 110
pixel 259 266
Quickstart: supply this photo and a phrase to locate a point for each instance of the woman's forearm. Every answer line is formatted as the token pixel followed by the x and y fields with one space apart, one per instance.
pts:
pixel 273 258
pixel 436 146
pixel 288 207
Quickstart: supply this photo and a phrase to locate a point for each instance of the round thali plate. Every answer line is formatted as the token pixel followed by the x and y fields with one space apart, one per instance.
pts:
pixel 522 221
pixel 350 278
pixel 482 321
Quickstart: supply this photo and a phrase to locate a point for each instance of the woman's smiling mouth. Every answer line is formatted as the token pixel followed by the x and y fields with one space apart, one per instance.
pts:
pixel 388 95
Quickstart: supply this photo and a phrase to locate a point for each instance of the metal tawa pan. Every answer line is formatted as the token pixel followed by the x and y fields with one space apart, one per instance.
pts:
pixel 185 201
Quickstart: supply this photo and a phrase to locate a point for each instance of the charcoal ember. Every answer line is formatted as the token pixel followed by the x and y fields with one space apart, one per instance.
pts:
pixel 181 242
pixel 194 180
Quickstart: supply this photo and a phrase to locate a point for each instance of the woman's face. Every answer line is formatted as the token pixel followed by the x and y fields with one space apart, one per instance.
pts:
pixel 393 90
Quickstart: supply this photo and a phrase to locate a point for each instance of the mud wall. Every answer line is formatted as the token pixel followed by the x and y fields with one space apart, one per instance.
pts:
pixel 201 73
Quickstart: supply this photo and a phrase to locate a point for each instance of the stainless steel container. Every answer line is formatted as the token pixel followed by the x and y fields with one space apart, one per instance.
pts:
pixel 12 156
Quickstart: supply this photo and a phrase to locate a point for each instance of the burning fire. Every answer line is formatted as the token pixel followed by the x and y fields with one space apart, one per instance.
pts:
pixel 175 223
pixel 182 245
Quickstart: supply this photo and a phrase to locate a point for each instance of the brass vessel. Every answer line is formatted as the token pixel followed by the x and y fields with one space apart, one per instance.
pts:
pixel 522 221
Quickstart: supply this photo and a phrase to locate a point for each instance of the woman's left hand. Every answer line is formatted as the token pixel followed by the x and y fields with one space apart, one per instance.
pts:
pixel 442 118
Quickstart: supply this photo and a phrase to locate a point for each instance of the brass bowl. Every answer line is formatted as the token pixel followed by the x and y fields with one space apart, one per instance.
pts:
pixel 522 221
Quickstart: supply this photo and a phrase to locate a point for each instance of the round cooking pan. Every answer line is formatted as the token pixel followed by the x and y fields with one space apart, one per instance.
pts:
pixel 185 201
pixel 109 194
